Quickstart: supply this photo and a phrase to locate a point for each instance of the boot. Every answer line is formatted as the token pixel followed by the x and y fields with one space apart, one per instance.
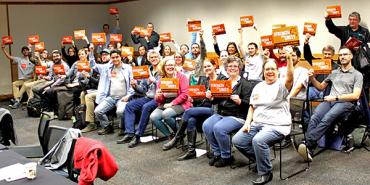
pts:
pixel 190 154
pixel 178 137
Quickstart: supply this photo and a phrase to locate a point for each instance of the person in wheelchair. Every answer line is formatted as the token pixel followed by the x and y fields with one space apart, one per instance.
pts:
pixel 344 92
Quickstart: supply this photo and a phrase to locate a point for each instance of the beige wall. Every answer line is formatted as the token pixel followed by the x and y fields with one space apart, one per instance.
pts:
pixel 170 16
pixel 5 74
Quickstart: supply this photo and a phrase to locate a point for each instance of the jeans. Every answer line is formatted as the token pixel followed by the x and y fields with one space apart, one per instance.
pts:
pixel 195 116
pixel 145 105
pixel 106 105
pixel 216 129
pixel 257 142
pixel 314 93
pixel 322 118
pixel 160 116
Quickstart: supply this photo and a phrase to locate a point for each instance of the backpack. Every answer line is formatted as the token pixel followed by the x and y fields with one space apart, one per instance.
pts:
pixel 65 104
pixel 34 107
pixel 80 113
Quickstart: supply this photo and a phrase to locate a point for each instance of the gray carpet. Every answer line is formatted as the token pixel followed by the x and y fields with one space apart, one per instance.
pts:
pixel 148 164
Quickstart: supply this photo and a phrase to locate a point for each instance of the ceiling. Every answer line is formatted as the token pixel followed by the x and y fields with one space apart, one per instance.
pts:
pixel 61 1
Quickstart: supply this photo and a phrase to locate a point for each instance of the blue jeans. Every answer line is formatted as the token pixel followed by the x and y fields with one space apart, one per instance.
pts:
pixel 322 118
pixel 146 106
pixel 161 116
pixel 195 116
pixel 314 93
pixel 216 129
pixel 106 105
pixel 257 142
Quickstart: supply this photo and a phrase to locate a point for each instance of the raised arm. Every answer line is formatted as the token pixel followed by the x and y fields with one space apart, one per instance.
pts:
pixel 6 53
pixel 289 75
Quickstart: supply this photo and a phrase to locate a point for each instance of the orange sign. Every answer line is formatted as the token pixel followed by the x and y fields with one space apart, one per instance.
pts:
pixel 309 28
pixel 169 84
pixel 6 40
pixel 165 37
pixel 113 11
pixel 137 30
pixel 98 38
pixel 33 39
pixel 352 43
pixel 285 36
pixel 334 11
pixel 321 66
pixel 144 33
pixel 140 72
pixel 188 65
pixel 218 29
pixel 79 34
pixel 126 51
pixel 276 26
pixel 246 21
pixel 40 70
pixel 114 38
pixel 67 40
pixel 220 88
pixel 194 25
pixel 83 66
pixel 197 91
pixel 267 42
pixel 40 46
pixel 59 69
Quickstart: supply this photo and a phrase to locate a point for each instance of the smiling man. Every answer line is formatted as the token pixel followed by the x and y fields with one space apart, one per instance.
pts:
pixel 344 93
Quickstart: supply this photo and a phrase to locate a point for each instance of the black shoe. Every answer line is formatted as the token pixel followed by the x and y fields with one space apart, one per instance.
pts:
pixel 190 154
pixel 213 159
pixel 224 162
pixel 134 142
pixel 127 138
pixel 107 130
pixel 263 179
pixel 16 105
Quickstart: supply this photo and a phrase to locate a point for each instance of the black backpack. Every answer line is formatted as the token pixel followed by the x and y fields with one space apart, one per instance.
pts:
pixel 34 107
pixel 79 113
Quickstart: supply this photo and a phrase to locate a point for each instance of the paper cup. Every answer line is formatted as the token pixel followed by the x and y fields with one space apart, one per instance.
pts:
pixel 31 170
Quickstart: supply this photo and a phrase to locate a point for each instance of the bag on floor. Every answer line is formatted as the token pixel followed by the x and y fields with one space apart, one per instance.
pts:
pixel 65 104
pixel 80 114
pixel 34 107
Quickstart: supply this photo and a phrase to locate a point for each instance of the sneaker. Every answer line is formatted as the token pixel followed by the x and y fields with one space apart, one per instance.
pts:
pixel 134 142
pixel 224 162
pixel 16 105
pixel 89 128
pixel 304 152
pixel 127 138
pixel 107 130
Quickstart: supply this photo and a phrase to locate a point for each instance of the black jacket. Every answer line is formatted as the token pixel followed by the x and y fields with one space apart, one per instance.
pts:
pixel 70 59
pixel 345 32
pixel 153 40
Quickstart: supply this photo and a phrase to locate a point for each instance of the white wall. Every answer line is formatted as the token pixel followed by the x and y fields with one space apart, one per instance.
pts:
pixel 170 16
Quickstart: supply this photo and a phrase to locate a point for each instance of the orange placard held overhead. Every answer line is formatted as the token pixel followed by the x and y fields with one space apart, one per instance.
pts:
pixel 40 46
pixel 267 42
pixel 246 21
pixel 321 66
pixel 220 88
pixel 169 85
pixel 276 26
pixel 67 40
pixel 334 11
pixel 218 29
pixel 137 30
pixel 115 38
pixel 194 25
pixel 98 38
pixel 165 37
pixel 7 40
pixel 309 28
pixel 59 69
pixel 83 66
pixel 188 65
pixel 197 91
pixel 126 51
pixel 40 70
pixel 113 10
pixel 285 36
pixel 144 33
pixel 140 72
pixel 33 39
pixel 79 34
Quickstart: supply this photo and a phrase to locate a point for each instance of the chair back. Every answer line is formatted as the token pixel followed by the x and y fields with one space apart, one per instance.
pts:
pixel 297 109
pixel 42 129
pixel 53 135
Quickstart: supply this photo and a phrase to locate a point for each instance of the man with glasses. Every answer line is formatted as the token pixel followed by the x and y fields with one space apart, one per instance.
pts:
pixel 344 93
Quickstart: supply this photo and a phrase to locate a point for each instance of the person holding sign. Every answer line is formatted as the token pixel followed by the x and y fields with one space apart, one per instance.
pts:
pixel 150 42
pixel 25 70
pixel 231 48
pixel 199 53
pixel 170 104
pixel 201 110
pixel 142 58
pixel 353 29
pixel 145 105
pixel 268 118
pixel 344 92
pixel 114 90
pixel 230 115
pixel 71 57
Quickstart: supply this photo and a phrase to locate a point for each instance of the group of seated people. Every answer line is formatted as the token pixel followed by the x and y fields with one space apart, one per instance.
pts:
pixel 257 109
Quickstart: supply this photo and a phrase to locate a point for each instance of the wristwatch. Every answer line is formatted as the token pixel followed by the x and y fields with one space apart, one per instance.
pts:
pixel 336 98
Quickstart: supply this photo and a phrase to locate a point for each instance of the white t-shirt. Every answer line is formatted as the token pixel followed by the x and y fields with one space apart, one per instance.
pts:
pixel 300 77
pixel 271 107
pixel 254 67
